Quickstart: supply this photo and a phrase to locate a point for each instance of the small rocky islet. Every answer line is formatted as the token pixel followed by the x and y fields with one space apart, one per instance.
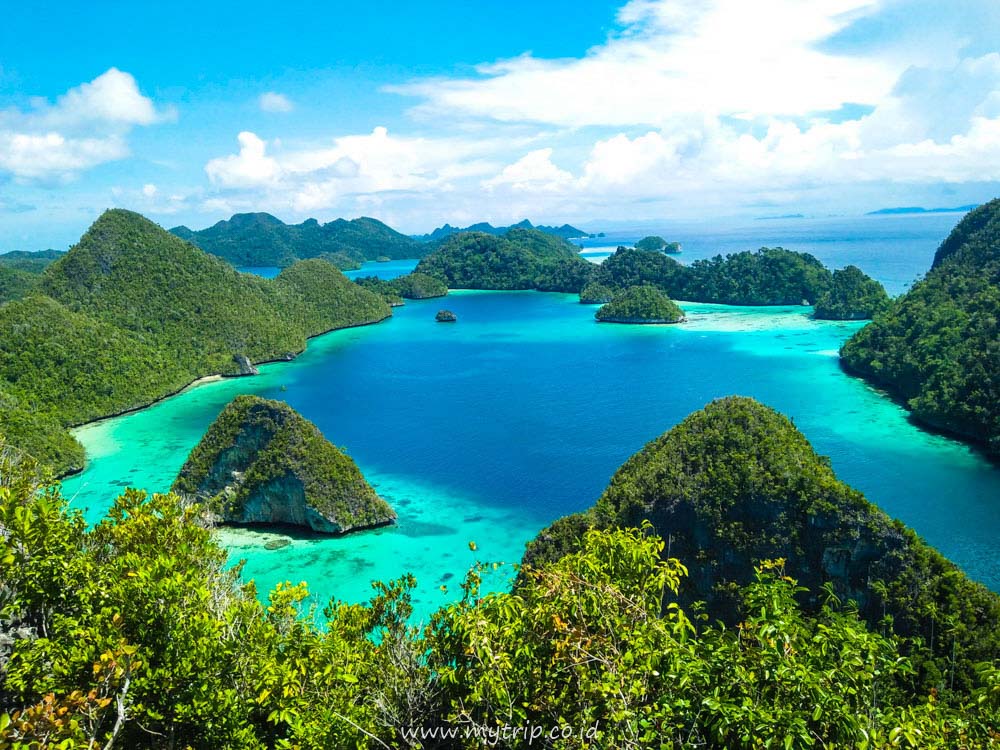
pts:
pixel 260 462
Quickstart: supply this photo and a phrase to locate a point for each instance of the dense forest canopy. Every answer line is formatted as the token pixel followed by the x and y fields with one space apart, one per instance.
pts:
pixel 736 483
pixel 937 348
pixel 133 313
pixel 262 462
pixel 136 633
pixel 640 304
pixel 260 239
pixel 566 231
pixel 519 259
pixel 851 296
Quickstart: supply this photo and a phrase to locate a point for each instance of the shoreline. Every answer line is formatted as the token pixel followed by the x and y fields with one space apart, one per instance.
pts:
pixel 204 380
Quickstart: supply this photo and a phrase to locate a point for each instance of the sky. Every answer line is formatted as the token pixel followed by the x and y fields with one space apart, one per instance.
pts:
pixel 593 113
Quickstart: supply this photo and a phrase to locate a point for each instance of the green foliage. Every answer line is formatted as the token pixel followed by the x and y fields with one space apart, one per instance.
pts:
pixel 33 262
pixel 383 288
pixel 640 304
pixel 520 259
pixel 418 286
pixel 329 300
pixel 656 244
pixel 132 314
pixel 937 348
pixel 736 483
pixel 262 240
pixel 261 462
pixel 770 276
pixel 596 293
pixel 15 283
pixel 134 634
pixel 631 267
pixel 852 296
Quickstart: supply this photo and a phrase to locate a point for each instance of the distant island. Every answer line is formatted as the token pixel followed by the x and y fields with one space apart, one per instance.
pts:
pixel 779 216
pixel 261 462
pixel 260 239
pixel 920 210
pixel 566 231
pixel 517 259
pixel 655 243
pixel 640 304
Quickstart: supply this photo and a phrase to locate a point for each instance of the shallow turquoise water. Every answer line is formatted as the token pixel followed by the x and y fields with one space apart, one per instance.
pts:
pixel 488 429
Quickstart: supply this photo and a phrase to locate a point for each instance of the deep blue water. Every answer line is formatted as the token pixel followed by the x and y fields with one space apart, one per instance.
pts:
pixel 488 429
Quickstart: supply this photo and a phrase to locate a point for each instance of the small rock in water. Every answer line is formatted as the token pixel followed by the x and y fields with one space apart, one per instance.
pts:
pixel 277 543
pixel 445 316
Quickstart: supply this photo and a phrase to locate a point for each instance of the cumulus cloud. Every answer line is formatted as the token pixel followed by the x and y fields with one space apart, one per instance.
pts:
pixel 84 127
pixel 272 101
pixel 690 103
pixel 678 58
pixel 314 178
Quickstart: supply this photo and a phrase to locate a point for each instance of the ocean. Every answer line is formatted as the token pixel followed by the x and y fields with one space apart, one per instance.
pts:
pixel 486 430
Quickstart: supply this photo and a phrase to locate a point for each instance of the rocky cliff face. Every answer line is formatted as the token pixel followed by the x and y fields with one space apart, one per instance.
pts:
pixel 262 463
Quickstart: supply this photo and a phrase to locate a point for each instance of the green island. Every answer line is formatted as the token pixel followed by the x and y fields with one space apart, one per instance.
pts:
pixel 518 259
pixel 640 304
pixel 822 619
pixel 937 348
pixel 851 296
pixel 260 239
pixel 769 276
pixel 656 244
pixel 261 462
pixel 566 231
pixel 132 314
pixel 414 285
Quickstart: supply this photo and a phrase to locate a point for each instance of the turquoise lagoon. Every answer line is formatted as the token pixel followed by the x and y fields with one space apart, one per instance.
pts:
pixel 487 430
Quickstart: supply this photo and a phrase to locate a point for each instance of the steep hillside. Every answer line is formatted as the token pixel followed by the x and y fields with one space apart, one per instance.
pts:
pixel 937 348
pixel 259 239
pixel 736 483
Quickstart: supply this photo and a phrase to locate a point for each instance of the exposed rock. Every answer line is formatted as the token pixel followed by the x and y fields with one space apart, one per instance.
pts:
pixel 262 463
pixel 445 316
pixel 244 365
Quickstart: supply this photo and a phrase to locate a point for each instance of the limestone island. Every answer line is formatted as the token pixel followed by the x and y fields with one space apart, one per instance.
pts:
pixel 656 244
pixel 640 304
pixel 261 462
pixel 446 316
pixel 853 295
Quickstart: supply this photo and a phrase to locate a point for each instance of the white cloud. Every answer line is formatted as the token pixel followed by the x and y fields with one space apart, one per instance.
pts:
pixel 691 104
pixel 251 167
pixel 533 171
pixel 85 127
pixel 149 190
pixel 678 58
pixel 272 101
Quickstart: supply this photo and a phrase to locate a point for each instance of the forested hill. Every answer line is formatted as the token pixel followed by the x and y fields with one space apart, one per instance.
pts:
pixel 518 259
pixel 566 231
pixel 736 483
pixel 259 239
pixel 132 313
pixel 937 347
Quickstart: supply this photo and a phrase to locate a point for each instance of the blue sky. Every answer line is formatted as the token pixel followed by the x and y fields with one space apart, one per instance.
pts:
pixel 588 112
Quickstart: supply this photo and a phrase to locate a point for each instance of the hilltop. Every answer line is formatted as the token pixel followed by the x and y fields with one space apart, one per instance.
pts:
pixel 737 483
pixel 261 462
pixel 132 314
pixel 566 231
pixel 518 259
pixel 937 348
pixel 260 239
